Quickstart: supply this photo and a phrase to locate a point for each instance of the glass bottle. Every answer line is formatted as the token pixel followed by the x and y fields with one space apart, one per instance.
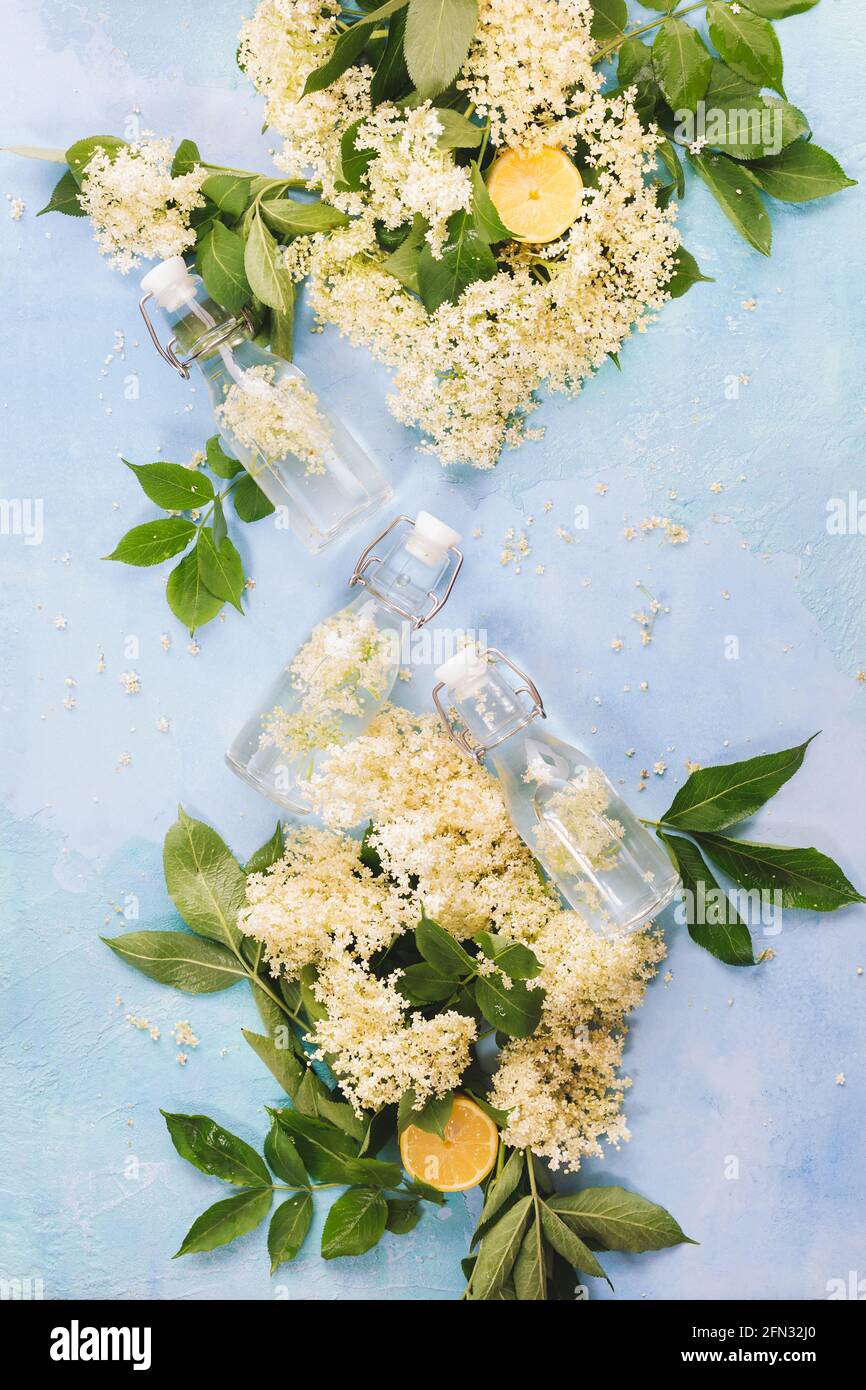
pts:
pixel 300 453
pixel 603 861
pixel 340 677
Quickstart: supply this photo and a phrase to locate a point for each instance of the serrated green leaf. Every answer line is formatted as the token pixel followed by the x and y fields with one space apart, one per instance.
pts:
pixel 391 78
pixel 499 1190
pixel 324 1149
pixel 216 1151
pixel 686 273
pixel 219 260
pixel 512 957
pixel 486 222
pixel 269 280
pixel 403 1215
pixel 805 878
pixel 171 486
pixel 780 9
pixel 64 198
pixel 284 1158
pixel 186 157
pixel 569 1245
pixel 748 44
pixel 465 258
pixel 458 132
pixel 725 935
pixel 355 1223
pixel 175 958
pixel 442 950
pixel 225 1220
pixel 716 797
pixel 291 218
pixel 348 47
pixel 529 1274
pixel 187 595
pixel 609 19
pixel 432 1117
pixel 681 64
pixel 288 1229
pixel 801 173
pixel 79 155
pixel 737 197
pixel 153 542
pixel 498 1252
pixel 218 461
pixel 278 1055
pixel 515 1011
pixel 403 263
pixel 436 41
pixel 268 853
pixel 206 883
pixel 421 984
pixel 230 192
pixel 220 567
pixel 618 1219
pixel 251 504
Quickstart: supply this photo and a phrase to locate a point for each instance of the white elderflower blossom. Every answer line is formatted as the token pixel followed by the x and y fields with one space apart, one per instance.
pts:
pixel 276 417
pixel 138 208
pixel 410 174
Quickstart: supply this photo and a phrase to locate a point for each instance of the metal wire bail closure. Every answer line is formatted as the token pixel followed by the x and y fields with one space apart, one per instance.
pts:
pixel 461 736
pixel 367 558
pixel 168 353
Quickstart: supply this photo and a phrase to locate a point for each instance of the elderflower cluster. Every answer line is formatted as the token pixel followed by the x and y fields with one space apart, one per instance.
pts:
pixel 346 661
pixel 139 209
pixel 444 841
pixel 276 416
pixel 574 824
pixel 528 60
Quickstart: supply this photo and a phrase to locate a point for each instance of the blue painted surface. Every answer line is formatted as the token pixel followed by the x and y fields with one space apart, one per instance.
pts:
pixel 752 1078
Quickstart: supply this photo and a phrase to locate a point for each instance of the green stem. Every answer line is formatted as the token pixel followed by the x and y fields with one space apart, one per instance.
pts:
pixel 644 29
pixel 654 823
pixel 536 1203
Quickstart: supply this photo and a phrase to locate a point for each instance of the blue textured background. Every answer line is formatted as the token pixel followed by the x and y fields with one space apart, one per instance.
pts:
pixel 752 1078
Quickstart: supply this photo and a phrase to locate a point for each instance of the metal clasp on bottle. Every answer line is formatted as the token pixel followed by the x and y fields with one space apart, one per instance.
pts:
pixel 367 558
pixel 208 344
pixel 461 735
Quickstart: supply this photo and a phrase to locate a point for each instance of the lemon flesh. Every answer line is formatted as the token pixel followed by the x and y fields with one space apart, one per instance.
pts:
pixel 537 194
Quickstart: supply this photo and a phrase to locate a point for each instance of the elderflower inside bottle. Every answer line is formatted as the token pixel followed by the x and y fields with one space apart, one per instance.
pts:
pixel 300 453
pixel 595 850
pixel 340 677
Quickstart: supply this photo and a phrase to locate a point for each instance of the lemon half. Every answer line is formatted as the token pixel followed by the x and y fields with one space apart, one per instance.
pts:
pixel 537 194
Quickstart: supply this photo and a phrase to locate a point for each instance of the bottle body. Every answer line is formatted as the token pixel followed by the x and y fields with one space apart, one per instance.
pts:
pixel 592 846
pixel 302 455
pixel 341 676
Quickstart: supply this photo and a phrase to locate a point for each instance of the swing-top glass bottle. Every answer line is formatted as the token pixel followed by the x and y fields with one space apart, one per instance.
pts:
pixel 602 859
pixel 341 676
pixel 300 453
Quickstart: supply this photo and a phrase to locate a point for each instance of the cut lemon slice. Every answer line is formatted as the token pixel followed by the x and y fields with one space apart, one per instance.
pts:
pixel 462 1159
pixel 537 195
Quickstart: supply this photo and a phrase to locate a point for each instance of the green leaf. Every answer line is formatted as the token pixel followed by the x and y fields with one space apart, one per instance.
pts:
pixel 748 44
pixel 218 523
pixel 153 542
pixel 421 984
pixel 355 1223
pixel 403 263
pixel 737 197
pixel 715 797
pixel 230 192
pixel 218 461
pixel 671 160
pixel 267 854
pixel 465 258
pixel 216 1151
pixel 780 9
pixel 219 259
pixel 186 157
pixel 372 1172
pixel 486 222
pixel 171 486
pixel 283 331
pixel 64 198
pixel 288 1229
pixel 498 1251
pixel 225 1220
pixel 37 152
pixel 436 42
pixel 609 19
pixel 442 950
pixel 206 883
pixel 323 1148
pixel 499 1190
pixel 403 1215
pixel 516 960
pixel 251 504
pixel 458 132
pixel 801 173
pixel 269 280
pixel 618 1219
pixel 755 126
pixel 726 85
pixel 686 273
pixel 728 939
pixel 187 595
pixel 175 958
pixel 515 1011
pixel 79 155
pixel 391 77
pixel 529 1274
pixel 284 1158
pixel 354 159
pixel 291 218
pixel 805 878
pixel 569 1245
pixel 220 567
pixel 682 64
pixel 279 1057
pixel 348 47
pixel 432 1117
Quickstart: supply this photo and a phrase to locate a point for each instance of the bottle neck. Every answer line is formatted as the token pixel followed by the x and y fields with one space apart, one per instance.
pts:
pixel 494 714
pixel 205 329
pixel 404 584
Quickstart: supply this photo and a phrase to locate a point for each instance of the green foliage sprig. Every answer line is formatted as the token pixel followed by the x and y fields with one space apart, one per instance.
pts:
pixel 713 800
pixel 211 572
